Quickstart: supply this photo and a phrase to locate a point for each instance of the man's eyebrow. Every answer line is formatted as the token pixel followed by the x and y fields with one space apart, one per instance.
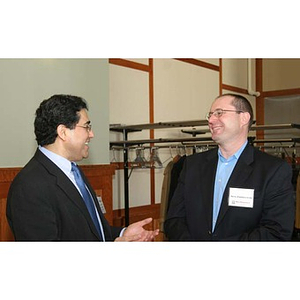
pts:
pixel 87 123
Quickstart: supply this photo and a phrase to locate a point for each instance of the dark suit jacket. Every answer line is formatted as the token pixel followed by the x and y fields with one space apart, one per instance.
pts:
pixel 271 218
pixel 44 205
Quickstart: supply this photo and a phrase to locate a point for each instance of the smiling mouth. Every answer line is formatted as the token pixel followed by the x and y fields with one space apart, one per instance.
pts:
pixel 216 128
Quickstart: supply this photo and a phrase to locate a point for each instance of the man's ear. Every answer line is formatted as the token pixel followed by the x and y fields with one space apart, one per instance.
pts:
pixel 62 131
pixel 245 118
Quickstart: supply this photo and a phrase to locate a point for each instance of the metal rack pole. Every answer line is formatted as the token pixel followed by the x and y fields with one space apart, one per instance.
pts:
pixel 126 179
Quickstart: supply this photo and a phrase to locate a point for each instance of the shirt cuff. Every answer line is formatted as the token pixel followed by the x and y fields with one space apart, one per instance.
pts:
pixel 122 232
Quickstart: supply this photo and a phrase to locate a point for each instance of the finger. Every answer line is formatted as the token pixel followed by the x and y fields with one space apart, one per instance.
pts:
pixel 149 235
pixel 156 232
pixel 132 238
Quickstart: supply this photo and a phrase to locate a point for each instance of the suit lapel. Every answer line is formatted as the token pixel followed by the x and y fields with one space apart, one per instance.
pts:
pixel 72 193
pixel 239 176
pixel 66 185
pixel 207 178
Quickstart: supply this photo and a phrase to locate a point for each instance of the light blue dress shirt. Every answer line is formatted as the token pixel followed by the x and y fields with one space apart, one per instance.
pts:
pixel 224 170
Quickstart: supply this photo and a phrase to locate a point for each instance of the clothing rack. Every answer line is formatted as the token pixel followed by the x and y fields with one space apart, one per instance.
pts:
pixel 195 132
pixel 125 143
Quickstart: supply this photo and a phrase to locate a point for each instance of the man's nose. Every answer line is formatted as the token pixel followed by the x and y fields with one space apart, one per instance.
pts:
pixel 91 134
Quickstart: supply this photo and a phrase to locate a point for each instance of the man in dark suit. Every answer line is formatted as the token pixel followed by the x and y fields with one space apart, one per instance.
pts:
pixel 51 199
pixel 233 192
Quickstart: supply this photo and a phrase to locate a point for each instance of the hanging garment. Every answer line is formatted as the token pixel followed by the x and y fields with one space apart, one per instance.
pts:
pixel 177 167
pixel 165 189
pixel 297 217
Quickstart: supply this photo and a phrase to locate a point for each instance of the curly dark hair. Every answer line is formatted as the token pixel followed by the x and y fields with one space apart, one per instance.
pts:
pixel 52 112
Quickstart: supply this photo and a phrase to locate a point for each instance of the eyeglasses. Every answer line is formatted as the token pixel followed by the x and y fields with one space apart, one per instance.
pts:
pixel 88 127
pixel 219 112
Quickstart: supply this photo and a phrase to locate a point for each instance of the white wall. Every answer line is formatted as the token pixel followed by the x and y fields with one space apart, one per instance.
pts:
pixel 181 92
pixel 24 83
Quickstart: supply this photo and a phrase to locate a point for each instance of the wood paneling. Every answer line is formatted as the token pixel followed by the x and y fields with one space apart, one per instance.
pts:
pixel 288 92
pixel 136 214
pixel 260 105
pixel 220 76
pixel 139 213
pixel 199 63
pixel 234 89
pixel 6 177
pixel 5 231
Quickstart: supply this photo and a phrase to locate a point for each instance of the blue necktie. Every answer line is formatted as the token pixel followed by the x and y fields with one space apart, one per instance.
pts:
pixel 86 197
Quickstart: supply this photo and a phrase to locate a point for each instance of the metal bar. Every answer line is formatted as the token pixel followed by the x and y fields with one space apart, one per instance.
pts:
pixel 192 123
pixel 191 142
pixel 126 179
pixel 140 142
pixel 159 125
pixel 275 126
pixel 194 132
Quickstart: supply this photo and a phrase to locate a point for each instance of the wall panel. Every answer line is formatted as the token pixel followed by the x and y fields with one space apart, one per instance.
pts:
pixel 281 74
pixel 235 72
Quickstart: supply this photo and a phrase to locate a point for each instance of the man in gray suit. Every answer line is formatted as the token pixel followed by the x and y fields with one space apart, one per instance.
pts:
pixel 51 199
pixel 233 192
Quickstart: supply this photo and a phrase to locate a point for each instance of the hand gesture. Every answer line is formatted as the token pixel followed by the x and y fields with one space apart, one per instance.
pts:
pixel 136 233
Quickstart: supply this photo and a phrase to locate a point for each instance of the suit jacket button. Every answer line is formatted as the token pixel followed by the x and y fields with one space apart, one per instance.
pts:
pixel 209 232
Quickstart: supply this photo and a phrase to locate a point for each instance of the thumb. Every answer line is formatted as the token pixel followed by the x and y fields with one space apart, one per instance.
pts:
pixel 145 222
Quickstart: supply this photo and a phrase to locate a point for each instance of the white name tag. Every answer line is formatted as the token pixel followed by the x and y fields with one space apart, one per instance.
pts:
pixel 101 205
pixel 241 197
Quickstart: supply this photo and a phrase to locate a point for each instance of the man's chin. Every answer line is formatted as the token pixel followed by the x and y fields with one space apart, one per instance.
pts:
pixel 85 155
pixel 214 138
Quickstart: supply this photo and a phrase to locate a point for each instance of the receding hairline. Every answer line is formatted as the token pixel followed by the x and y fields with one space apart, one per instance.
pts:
pixel 225 96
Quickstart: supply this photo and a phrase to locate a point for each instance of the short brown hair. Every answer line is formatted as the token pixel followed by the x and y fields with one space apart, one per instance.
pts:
pixel 241 103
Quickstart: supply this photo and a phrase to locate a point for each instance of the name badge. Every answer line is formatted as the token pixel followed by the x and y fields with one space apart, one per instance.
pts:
pixel 241 197
pixel 101 204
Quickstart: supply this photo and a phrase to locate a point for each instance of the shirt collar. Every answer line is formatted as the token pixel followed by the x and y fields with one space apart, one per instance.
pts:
pixel 236 155
pixel 63 163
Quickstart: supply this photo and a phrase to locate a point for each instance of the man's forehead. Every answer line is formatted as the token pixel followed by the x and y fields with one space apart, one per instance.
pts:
pixel 83 116
pixel 223 100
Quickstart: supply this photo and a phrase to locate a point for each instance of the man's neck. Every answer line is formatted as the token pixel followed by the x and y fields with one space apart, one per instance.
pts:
pixel 54 149
pixel 228 150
